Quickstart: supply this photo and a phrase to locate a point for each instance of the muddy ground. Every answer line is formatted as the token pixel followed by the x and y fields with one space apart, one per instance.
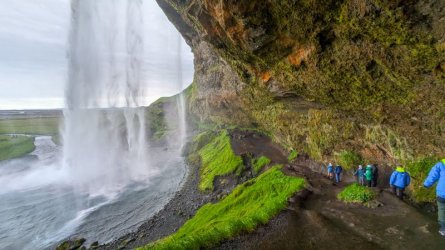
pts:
pixel 314 219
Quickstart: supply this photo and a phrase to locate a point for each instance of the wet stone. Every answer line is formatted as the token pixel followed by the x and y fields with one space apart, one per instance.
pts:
pixel 94 245
pixel 71 244
pixel 374 204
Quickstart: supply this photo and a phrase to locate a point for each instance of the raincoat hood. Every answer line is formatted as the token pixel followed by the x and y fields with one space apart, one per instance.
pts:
pixel 400 169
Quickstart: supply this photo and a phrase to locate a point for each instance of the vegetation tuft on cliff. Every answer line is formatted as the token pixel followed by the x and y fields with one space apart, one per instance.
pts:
pixel 218 159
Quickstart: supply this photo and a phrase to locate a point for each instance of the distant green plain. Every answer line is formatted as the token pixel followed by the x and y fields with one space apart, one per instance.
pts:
pixel 19 145
pixel 30 126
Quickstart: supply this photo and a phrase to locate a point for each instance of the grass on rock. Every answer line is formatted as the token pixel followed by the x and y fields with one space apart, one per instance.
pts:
pixel 218 159
pixel 293 154
pixel 12 147
pixel 356 194
pixel 253 203
pixel 419 171
pixel 349 159
pixel 259 163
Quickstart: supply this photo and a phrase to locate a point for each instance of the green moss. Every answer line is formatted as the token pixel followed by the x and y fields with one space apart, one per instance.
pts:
pixel 356 194
pixel 15 146
pixel 156 118
pixel 326 132
pixel 218 159
pixel 419 171
pixel 259 163
pixel 293 154
pixel 396 146
pixel 349 159
pixel 249 205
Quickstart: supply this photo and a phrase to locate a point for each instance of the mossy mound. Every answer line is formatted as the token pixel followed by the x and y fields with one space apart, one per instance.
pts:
pixel 249 205
pixel 356 194
pixel 218 159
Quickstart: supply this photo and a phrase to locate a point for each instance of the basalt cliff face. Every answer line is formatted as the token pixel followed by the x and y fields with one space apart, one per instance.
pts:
pixel 323 77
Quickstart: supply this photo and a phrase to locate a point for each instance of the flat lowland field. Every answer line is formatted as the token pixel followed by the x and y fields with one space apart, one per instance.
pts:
pixel 30 126
pixel 35 122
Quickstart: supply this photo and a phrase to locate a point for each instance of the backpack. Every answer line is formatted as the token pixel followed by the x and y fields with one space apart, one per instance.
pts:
pixel 375 170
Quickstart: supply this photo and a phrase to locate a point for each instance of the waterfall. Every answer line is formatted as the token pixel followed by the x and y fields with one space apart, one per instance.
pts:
pixel 105 136
pixel 123 55
pixel 181 105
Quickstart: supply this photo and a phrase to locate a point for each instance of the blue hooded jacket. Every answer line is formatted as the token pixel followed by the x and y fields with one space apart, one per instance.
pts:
pixel 400 178
pixel 359 172
pixel 338 169
pixel 437 173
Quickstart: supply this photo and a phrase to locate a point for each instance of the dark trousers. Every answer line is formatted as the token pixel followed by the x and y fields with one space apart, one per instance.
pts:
pixel 441 212
pixel 337 177
pixel 374 182
pixel 368 183
pixel 398 192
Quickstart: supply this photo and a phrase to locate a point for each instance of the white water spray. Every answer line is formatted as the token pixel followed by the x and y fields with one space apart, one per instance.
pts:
pixel 105 139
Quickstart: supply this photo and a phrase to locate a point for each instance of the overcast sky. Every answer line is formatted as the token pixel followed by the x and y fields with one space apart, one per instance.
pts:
pixel 33 48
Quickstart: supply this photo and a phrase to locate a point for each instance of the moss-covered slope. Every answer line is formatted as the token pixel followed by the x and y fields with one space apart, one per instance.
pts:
pixel 249 205
pixel 218 159
pixel 322 76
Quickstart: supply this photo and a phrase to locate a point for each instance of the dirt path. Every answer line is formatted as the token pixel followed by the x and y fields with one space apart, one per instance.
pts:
pixel 315 219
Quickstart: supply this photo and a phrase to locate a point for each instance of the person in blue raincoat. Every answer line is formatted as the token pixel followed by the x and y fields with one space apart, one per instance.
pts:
pixel 437 174
pixel 330 171
pixel 338 170
pixel 400 179
pixel 360 173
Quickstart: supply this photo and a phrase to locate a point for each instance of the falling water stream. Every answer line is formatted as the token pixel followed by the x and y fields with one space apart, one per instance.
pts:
pixel 107 178
pixel 105 139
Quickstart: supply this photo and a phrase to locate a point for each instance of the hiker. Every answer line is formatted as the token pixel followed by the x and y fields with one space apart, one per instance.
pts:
pixel 368 175
pixel 360 175
pixel 400 179
pixel 437 174
pixel 330 171
pixel 375 175
pixel 338 169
